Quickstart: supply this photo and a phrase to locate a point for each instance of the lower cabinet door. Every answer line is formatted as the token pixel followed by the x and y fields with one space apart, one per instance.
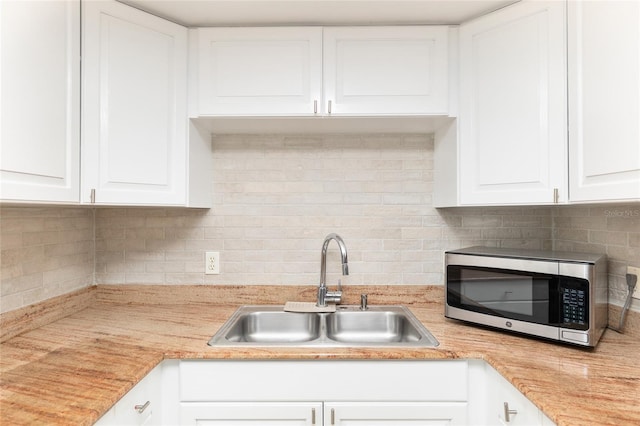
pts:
pixel 251 413
pixel 141 406
pixel 507 406
pixel 395 413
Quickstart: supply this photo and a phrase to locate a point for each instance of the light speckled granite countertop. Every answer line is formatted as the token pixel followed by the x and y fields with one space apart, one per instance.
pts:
pixel 72 370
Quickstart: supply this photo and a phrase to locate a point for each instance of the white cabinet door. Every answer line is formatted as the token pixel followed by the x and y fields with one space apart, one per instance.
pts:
pixel 40 112
pixel 518 409
pixel 513 106
pixel 386 70
pixel 395 413
pixel 310 71
pixel 140 406
pixel 134 142
pixel 258 71
pixel 604 100
pixel 251 413
pixel 490 393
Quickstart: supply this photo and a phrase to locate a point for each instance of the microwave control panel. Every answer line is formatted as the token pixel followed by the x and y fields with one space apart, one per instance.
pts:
pixel 573 306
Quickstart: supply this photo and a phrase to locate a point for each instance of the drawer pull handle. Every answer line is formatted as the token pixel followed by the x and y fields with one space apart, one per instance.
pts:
pixel 508 413
pixel 140 408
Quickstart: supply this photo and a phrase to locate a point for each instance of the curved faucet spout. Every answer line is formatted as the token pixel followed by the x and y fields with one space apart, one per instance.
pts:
pixel 323 294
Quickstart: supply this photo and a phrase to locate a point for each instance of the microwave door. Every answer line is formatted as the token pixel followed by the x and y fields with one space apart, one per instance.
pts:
pixel 500 293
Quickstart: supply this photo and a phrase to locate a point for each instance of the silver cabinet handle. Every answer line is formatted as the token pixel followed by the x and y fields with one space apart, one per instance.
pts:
pixel 508 413
pixel 556 195
pixel 329 107
pixel 140 408
pixel 315 107
pixel 93 196
pixel 313 416
pixel 333 416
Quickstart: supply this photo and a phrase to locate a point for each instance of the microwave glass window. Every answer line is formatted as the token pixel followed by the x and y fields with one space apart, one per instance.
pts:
pixel 499 291
pixel 502 293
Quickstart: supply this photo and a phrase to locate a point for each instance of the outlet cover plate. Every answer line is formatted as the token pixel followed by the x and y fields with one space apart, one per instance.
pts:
pixel 636 272
pixel 212 263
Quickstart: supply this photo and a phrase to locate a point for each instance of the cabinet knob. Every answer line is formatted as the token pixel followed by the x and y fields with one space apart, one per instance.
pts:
pixel 508 413
pixel 140 408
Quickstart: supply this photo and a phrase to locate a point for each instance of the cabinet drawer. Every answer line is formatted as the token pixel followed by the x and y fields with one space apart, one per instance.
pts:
pixel 323 380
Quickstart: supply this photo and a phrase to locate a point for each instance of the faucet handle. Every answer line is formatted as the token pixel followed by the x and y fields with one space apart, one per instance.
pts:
pixel 334 296
pixel 363 302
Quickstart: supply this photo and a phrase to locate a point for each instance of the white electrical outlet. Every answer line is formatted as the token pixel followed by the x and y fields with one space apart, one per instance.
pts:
pixel 636 272
pixel 212 263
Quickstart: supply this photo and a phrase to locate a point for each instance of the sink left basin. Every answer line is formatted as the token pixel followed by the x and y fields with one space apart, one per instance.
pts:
pixel 274 326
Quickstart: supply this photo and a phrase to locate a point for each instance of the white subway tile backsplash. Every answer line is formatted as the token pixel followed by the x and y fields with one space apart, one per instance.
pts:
pixel 280 195
pixel 45 252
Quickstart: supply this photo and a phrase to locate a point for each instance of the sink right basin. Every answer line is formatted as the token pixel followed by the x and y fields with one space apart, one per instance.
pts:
pixel 371 327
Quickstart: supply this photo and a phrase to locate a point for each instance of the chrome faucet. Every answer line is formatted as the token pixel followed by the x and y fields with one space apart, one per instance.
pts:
pixel 324 295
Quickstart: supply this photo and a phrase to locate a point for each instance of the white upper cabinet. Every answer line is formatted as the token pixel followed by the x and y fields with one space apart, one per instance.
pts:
pixel 513 106
pixel 134 142
pixel 309 71
pixel 604 101
pixel 258 71
pixel 386 70
pixel 40 115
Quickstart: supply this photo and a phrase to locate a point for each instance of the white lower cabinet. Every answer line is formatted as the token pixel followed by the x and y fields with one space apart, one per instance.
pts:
pixel 323 413
pixel 323 392
pixel 140 406
pixel 495 401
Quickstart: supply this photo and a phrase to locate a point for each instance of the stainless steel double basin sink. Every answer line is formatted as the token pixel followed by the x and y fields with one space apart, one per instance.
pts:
pixel 266 325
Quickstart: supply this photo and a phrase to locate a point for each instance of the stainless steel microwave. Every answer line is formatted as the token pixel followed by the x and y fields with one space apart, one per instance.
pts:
pixel 553 295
